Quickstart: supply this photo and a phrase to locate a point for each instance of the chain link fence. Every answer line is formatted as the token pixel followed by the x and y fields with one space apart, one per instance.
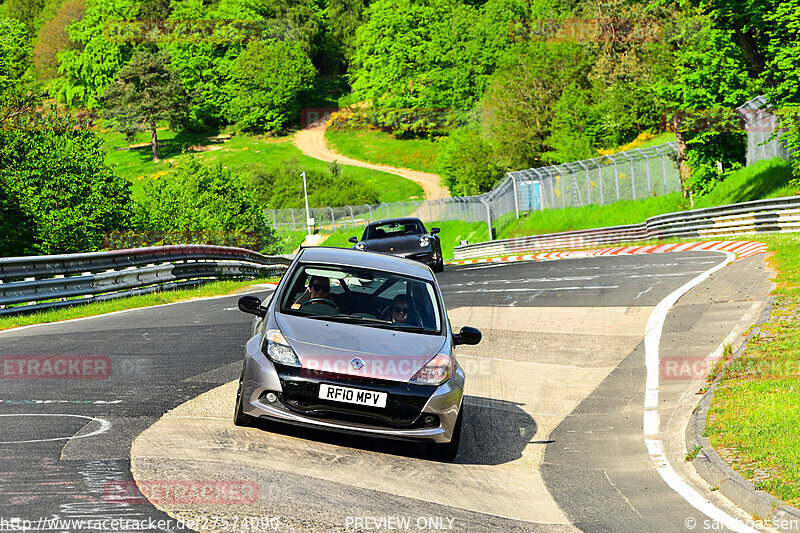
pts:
pixel 629 175
pixel 760 124
pixel 626 175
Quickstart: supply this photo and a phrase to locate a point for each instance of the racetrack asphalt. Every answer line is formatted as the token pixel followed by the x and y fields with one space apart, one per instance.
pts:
pixel 553 437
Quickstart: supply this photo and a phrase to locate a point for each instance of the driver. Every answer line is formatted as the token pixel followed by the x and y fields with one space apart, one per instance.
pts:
pixel 319 287
pixel 319 292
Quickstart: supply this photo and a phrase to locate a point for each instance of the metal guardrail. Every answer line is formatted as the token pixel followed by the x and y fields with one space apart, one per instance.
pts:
pixel 44 282
pixel 759 216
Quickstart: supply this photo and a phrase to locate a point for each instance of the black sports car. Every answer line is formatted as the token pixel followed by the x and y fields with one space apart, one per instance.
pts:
pixel 403 237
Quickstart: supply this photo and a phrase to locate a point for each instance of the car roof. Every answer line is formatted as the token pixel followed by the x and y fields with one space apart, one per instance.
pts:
pixel 356 258
pixel 402 220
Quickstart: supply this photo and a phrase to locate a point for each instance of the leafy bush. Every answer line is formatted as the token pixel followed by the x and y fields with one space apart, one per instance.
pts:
pixel 58 194
pixel 197 199
pixel 282 187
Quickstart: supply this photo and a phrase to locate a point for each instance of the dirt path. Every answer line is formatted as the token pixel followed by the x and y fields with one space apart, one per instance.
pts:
pixel 311 141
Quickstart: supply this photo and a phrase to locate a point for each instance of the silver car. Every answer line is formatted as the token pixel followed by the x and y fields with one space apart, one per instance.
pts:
pixel 356 342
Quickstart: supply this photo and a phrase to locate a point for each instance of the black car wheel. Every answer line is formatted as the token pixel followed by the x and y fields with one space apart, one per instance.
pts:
pixel 239 417
pixel 449 450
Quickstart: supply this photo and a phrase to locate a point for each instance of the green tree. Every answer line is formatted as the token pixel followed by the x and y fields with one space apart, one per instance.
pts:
pixel 466 163
pixel 344 19
pixel 520 104
pixel 709 78
pixel 419 55
pixel 89 67
pixel 15 59
pixel 25 11
pixel 61 196
pixel 266 84
pixel 196 198
pixel 145 92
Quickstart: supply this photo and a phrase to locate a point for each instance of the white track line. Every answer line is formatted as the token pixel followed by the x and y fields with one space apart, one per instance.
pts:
pixel 105 425
pixel 655 325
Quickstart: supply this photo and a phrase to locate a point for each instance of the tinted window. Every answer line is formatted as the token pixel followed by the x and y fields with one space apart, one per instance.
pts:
pixel 395 229
pixel 383 299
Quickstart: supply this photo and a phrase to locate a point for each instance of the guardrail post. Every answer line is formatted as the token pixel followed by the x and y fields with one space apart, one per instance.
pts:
pixel 488 216
pixel 333 219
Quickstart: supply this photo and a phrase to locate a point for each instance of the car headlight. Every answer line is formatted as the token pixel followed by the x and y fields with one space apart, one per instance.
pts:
pixel 361 246
pixel 424 241
pixel 435 372
pixel 279 350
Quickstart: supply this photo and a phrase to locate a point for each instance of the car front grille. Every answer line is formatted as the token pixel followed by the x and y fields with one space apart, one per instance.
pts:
pixel 403 405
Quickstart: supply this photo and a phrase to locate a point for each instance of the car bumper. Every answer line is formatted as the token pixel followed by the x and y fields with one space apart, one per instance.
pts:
pixel 422 257
pixel 261 377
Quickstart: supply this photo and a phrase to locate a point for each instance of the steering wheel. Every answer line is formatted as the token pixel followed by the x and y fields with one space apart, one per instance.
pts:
pixel 325 301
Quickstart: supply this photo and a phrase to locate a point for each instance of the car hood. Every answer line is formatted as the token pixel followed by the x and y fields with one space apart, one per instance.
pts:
pixel 333 346
pixel 405 243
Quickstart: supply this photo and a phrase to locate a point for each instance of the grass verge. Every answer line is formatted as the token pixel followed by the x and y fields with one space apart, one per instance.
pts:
pixel 755 414
pixel 384 149
pixel 241 153
pixel 215 288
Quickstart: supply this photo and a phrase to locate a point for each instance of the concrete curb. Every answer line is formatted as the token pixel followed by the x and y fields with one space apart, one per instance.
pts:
pixel 717 473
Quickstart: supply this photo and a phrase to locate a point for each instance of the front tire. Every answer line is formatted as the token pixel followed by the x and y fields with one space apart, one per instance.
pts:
pixel 449 450
pixel 239 417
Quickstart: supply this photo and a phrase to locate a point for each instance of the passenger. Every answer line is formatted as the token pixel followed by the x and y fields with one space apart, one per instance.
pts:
pixel 401 311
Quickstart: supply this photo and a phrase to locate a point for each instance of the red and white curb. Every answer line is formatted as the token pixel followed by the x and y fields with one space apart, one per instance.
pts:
pixel 742 250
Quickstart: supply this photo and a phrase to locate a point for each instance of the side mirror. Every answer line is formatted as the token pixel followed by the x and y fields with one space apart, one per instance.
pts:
pixel 252 305
pixel 354 240
pixel 434 231
pixel 467 335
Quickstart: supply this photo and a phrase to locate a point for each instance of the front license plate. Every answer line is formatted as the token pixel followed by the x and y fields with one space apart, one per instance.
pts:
pixel 348 395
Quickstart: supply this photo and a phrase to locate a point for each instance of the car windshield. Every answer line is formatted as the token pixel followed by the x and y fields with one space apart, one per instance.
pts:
pixel 363 296
pixel 394 229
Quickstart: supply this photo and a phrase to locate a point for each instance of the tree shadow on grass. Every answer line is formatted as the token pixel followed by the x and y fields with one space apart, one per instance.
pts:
pixel 178 145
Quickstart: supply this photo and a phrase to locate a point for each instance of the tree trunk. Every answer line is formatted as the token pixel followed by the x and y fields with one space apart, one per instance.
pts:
pixel 755 60
pixel 683 167
pixel 154 142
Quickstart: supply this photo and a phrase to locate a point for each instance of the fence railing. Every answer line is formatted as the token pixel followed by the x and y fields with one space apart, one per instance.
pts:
pixel 776 215
pixel 760 124
pixel 44 282
pixel 626 175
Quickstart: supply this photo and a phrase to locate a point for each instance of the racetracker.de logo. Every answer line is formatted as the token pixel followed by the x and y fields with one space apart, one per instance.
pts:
pixel 684 368
pixel 55 367
pixel 177 491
